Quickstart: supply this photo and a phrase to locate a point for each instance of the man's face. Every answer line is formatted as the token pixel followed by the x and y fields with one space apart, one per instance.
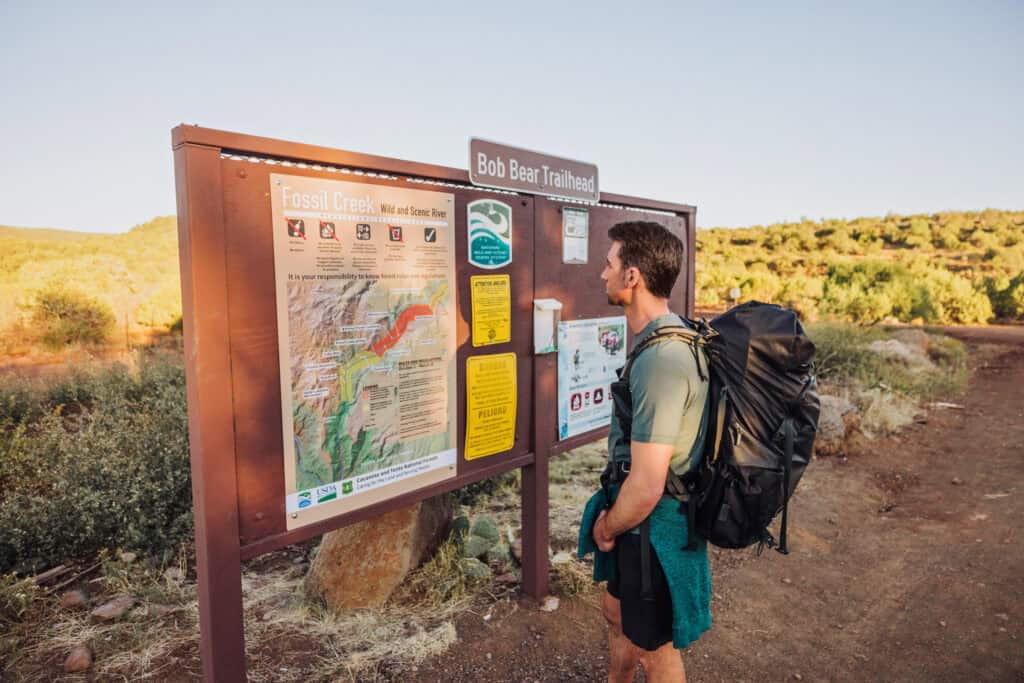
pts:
pixel 616 277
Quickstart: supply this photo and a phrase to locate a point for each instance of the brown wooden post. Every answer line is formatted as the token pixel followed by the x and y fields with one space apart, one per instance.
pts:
pixel 201 243
pixel 535 476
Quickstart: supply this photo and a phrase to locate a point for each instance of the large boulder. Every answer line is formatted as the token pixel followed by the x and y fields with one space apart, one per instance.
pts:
pixel 362 564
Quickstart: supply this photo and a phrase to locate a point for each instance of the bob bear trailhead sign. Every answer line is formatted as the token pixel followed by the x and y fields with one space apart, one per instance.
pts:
pixel 512 168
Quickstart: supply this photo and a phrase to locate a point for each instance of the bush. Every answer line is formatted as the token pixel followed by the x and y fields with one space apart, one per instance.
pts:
pixel 111 473
pixel 1007 296
pixel 872 291
pixel 949 298
pixel 64 317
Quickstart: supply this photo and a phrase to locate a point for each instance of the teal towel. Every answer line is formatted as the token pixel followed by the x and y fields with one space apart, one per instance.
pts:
pixel 687 571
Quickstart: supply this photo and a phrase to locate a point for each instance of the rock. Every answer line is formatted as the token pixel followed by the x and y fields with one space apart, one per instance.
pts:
pixel 476 546
pixel 956 481
pixel 942 624
pixel 73 599
pixel 362 564
pixel 174 575
pixel 561 557
pixel 550 604
pixel 160 610
pixel 896 350
pixel 1003 616
pixel 486 527
pixel 915 339
pixel 113 610
pixel 839 404
pixel 832 425
pixel 507 578
pixel 787 581
pixel 79 659
pixel 517 550
pixel 474 568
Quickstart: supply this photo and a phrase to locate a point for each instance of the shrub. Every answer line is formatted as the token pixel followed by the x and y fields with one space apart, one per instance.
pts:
pixel 64 317
pixel 873 291
pixel 114 472
pixel 949 298
pixel 1007 296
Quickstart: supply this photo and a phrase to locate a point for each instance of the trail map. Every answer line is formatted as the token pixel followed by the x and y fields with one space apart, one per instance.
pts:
pixel 366 328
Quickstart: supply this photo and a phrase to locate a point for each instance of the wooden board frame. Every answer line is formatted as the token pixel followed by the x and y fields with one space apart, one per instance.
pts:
pixel 226 259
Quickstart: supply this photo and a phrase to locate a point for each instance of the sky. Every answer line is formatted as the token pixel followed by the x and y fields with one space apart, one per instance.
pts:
pixel 755 113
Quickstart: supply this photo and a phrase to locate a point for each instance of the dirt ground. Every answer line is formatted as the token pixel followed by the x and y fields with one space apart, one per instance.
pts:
pixel 906 565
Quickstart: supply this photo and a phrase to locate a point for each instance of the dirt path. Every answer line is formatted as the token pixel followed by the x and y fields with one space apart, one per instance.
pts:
pixel 907 565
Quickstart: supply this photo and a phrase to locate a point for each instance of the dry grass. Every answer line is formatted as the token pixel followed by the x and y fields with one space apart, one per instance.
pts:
pixel 571 578
pixel 885 412
pixel 292 638
pixel 288 638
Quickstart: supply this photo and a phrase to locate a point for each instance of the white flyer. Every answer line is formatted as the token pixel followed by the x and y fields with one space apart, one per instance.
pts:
pixel 589 353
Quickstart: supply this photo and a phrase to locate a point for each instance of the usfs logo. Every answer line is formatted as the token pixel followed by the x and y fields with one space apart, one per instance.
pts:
pixel 346 488
pixel 490 233
pixel 326 493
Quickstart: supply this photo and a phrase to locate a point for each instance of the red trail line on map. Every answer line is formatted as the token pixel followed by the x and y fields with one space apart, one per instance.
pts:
pixel 395 335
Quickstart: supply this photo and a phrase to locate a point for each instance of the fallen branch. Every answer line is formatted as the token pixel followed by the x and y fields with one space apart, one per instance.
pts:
pixel 50 574
pixel 76 577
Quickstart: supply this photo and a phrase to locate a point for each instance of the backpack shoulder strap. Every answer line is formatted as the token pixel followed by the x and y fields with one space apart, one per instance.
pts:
pixel 662 334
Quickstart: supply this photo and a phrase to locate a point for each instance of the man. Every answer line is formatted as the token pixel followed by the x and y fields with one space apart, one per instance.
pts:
pixel 658 593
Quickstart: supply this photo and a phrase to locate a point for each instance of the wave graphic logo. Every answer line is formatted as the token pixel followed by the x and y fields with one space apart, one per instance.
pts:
pixel 490 233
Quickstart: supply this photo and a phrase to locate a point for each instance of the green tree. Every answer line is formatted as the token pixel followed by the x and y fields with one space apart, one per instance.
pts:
pixel 63 316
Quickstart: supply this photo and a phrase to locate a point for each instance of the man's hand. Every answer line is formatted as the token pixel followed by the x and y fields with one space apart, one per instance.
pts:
pixel 639 493
pixel 604 542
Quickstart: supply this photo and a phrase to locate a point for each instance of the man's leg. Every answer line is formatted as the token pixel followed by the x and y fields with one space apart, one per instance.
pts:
pixel 622 654
pixel 664 665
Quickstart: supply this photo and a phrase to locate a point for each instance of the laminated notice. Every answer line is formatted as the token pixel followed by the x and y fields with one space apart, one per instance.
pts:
pixel 490 404
pixel 491 297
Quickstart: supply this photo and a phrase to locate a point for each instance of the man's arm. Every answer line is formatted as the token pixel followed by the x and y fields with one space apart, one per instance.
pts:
pixel 638 495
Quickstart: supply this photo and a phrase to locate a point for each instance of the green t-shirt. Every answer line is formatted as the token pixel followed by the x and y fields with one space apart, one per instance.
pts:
pixel 668 396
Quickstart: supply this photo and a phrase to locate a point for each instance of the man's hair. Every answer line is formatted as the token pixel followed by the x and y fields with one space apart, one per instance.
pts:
pixel 653 250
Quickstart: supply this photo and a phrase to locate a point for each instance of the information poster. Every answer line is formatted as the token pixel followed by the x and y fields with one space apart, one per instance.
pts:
pixel 490 404
pixel 366 329
pixel 575 235
pixel 589 353
pixel 491 297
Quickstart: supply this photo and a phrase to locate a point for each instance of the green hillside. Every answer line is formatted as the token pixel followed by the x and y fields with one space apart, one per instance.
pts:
pixel 131 276
pixel 951 267
pixel 959 267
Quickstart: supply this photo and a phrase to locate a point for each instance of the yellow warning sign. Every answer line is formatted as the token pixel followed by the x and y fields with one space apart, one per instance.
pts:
pixel 492 309
pixel 490 404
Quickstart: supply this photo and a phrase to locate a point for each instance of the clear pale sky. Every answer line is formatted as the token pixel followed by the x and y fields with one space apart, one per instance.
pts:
pixel 756 113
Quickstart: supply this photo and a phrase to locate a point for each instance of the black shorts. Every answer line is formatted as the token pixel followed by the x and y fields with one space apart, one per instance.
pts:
pixel 646 622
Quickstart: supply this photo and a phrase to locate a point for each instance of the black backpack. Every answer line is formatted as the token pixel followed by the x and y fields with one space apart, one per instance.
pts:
pixel 759 423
